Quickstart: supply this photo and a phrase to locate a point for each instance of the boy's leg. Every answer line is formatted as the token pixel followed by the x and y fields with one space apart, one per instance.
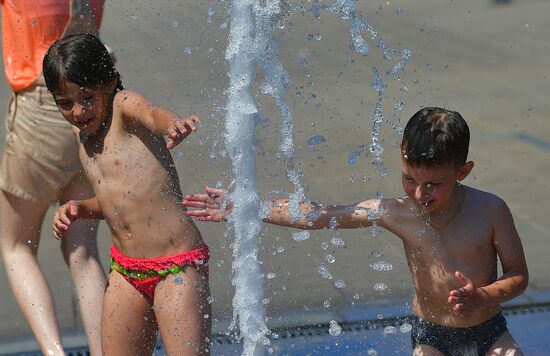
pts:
pixel 20 222
pixel 505 346
pixel 184 313
pixel 79 248
pixel 128 325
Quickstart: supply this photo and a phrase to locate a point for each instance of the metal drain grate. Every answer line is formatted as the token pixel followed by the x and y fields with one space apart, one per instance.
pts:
pixel 280 335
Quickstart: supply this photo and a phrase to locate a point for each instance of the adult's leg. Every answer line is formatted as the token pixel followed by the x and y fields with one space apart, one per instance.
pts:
pixel 20 222
pixel 505 346
pixel 184 314
pixel 79 248
pixel 128 325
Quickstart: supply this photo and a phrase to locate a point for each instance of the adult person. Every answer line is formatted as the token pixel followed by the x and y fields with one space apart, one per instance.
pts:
pixel 40 166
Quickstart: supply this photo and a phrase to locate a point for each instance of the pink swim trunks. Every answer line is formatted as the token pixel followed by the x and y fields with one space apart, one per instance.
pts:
pixel 145 273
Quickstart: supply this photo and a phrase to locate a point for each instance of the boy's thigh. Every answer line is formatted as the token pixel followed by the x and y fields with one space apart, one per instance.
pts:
pixel 128 324
pixel 184 313
pixel 505 346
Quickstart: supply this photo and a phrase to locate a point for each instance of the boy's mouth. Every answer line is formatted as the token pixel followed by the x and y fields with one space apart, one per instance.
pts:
pixel 85 122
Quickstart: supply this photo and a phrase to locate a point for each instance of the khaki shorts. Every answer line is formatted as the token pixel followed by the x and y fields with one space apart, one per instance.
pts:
pixel 40 154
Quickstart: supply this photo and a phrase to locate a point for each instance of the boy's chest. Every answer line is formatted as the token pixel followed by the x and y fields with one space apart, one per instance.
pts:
pixel 112 157
pixel 463 242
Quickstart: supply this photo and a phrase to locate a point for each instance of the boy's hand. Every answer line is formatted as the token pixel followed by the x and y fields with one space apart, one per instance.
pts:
pixel 465 299
pixel 180 129
pixel 209 206
pixel 64 216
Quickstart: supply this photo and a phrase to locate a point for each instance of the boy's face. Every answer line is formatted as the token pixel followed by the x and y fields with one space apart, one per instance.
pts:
pixel 432 187
pixel 85 108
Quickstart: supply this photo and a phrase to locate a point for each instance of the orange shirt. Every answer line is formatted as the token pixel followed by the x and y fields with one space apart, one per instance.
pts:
pixel 29 28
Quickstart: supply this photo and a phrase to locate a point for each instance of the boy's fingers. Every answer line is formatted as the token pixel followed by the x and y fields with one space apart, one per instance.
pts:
pixel 194 204
pixel 197 197
pixel 182 127
pixel 189 125
pixel 197 213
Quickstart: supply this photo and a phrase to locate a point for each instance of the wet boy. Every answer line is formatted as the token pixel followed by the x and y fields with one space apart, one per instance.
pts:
pixel 158 281
pixel 452 235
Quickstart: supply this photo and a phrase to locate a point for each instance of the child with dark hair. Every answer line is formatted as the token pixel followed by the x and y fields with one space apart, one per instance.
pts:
pixel 159 274
pixel 452 235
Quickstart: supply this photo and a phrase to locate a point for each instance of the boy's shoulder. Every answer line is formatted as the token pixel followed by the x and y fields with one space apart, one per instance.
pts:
pixel 484 198
pixel 489 203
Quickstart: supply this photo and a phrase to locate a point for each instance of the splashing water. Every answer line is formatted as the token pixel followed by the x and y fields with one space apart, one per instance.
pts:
pixel 251 45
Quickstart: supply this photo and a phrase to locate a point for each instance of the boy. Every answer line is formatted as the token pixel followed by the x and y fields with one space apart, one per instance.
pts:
pixel 452 235
pixel 158 281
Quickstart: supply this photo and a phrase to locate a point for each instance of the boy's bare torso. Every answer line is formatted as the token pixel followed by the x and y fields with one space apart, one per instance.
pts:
pixel 465 245
pixel 137 187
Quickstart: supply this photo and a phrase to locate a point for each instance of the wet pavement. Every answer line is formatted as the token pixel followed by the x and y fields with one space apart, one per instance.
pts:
pixel 487 61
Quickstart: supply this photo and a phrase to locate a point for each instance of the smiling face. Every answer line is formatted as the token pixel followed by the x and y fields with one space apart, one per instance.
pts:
pixel 432 187
pixel 85 108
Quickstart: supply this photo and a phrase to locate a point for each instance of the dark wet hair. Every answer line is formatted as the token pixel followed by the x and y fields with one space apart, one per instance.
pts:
pixel 436 137
pixel 81 59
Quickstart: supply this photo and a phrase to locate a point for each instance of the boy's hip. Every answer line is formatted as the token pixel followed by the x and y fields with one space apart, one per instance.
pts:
pixel 456 341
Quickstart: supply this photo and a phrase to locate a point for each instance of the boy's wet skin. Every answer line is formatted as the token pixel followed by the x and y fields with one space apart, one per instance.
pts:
pixel 162 231
pixel 433 256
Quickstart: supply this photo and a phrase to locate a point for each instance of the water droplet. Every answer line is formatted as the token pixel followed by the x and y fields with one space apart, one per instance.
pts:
pixel 381 266
pixel 323 271
pixel 300 236
pixel 271 275
pixel 175 24
pixel 405 328
pixel 338 242
pixel 339 284
pixel 334 329
pixel 315 140
pixel 333 224
pixel 330 258
pixel 388 330
pixel 178 280
pixel 380 287
pixel 188 50
pixel 325 245
pixel 326 303
pixel 266 301
pixel 206 316
pixel 398 106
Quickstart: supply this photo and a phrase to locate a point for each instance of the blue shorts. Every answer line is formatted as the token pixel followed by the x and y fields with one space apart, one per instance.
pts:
pixel 458 341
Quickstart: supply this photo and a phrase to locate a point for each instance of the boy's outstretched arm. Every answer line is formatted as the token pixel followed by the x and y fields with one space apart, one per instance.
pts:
pixel 212 206
pixel 73 210
pixel 515 275
pixel 157 119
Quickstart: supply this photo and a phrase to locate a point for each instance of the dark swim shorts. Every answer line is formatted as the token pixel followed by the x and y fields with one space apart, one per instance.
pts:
pixel 475 340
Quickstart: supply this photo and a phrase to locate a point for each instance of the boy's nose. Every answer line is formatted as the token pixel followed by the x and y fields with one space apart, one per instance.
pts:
pixel 419 193
pixel 78 111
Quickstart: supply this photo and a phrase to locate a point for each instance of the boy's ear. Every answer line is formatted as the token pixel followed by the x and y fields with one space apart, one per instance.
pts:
pixel 465 170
